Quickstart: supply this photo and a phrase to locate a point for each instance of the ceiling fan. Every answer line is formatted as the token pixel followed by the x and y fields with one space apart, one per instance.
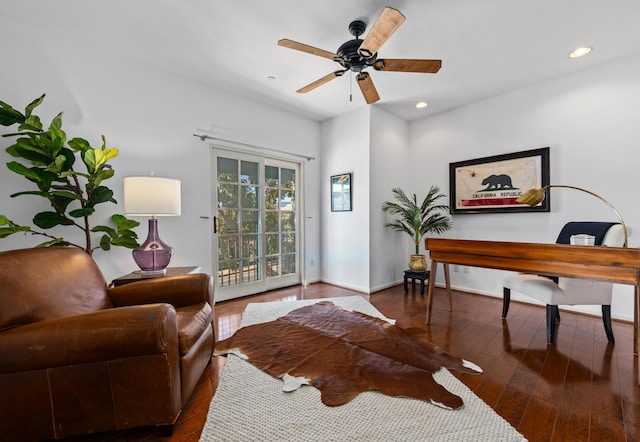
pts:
pixel 357 54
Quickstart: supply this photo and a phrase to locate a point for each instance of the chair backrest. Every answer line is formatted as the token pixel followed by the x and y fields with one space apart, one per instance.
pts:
pixel 587 292
pixel 606 233
pixel 45 283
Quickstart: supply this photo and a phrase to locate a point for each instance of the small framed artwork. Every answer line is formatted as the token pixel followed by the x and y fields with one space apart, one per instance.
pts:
pixel 341 193
pixel 493 184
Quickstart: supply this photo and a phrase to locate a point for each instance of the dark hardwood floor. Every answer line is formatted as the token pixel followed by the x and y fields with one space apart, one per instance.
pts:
pixel 580 389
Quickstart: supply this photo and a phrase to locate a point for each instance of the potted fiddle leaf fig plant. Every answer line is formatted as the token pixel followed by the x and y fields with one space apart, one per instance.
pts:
pixel 46 159
pixel 417 220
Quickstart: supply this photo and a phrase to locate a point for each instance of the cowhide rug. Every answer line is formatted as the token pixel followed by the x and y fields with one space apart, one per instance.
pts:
pixel 344 353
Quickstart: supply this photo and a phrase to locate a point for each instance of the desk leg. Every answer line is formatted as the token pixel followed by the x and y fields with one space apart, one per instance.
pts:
pixel 447 283
pixel 432 280
pixel 636 316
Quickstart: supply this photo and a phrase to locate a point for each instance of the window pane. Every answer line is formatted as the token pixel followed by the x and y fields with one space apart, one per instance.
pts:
pixel 271 199
pixel 288 178
pixel 227 170
pixel 227 248
pixel 273 267
pixel 286 200
pixel 288 221
pixel 271 176
pixel 249 197
pixel 228 221
pixel 271 221
pixel 250 221
pixel 248 172
pixel 250 270
pixel 288 264
pixel 228 273
pixel 227 195
pixel 273 246
pixel 249 246
pixel 288 243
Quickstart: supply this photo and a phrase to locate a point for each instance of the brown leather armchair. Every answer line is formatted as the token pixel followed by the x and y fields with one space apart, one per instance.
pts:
pixel 78 357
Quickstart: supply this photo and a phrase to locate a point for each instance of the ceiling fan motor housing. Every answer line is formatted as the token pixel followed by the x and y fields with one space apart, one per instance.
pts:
pixel 348 55
pixel 349 58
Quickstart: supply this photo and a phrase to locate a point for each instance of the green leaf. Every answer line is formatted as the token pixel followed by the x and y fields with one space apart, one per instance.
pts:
pixel 122 222
pixel 31 106
pixel 125 242
pixel 66 194
pixel 79 213
pixel 13 228
pixel 32 122
pixel 89 158
pixel 105 242
pixel 58 164
pixel 79 144
pixel 60 203
pixel 47 220
pixel 27 149
pixel 69 157
pixel 104 155
pixel 20 169
pixel 104 174
pixel 58 242
pixel 57 135
pixel 101 194
pixel 29 192
pixel 9 116
pixel 109 230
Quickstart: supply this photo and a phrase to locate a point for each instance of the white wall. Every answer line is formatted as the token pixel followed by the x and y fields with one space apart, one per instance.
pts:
pixel 389 168
pixel 150 115
pixel 345 235
pixel 590 122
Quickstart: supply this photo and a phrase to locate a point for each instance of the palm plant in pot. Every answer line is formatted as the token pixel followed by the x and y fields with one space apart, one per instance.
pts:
pixel 418 219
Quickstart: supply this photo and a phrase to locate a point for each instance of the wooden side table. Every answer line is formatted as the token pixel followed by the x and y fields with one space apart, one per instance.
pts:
pixel 138 276
pixel 411 275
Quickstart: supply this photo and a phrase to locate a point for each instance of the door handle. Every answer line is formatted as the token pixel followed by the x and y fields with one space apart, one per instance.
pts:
pixel 215 224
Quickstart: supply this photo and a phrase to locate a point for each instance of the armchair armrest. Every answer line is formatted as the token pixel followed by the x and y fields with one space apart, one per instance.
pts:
pixel 178 291
pixel 92 337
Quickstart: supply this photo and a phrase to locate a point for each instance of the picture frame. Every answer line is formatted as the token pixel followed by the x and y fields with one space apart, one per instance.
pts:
pixel 492 184
pixel 341 192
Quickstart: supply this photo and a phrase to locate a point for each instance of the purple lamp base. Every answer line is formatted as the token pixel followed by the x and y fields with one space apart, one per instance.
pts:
pixel 153 255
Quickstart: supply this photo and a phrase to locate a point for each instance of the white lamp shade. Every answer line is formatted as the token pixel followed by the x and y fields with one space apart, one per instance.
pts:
pixel 151 196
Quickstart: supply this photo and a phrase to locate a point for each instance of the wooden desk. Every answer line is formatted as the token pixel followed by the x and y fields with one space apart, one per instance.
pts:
pixel 614 264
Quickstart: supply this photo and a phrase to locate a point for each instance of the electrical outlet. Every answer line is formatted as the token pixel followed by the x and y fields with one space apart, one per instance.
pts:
pixel 465 269
pixel 456 268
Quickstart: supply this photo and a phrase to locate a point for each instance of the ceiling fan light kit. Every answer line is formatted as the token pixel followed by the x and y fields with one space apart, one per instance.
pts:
pixel 356 55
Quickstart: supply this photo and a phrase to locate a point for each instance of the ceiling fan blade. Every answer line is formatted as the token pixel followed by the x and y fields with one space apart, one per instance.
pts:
pixel 401 65
pixel 285 42
pixel 390 19
pixel 321 81
pixel 368 89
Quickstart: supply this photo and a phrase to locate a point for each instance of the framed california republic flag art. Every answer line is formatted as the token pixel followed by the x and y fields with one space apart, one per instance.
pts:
pixel 493 184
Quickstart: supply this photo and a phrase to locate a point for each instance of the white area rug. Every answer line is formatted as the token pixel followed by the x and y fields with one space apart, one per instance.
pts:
pixel 249 405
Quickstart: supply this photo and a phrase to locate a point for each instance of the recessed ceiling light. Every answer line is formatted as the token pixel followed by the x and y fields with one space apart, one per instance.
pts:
pixel 421 104
pixel 579 52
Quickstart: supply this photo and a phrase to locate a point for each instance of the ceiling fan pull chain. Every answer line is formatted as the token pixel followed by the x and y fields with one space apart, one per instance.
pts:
pixel 350 86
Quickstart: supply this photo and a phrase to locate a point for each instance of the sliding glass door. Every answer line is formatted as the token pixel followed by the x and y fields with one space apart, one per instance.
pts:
pixel 256 224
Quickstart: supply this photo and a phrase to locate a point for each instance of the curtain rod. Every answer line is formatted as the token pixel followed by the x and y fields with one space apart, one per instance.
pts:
pixel 209 137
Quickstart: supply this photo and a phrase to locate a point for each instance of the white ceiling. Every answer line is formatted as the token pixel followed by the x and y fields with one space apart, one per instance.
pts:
pixel 488 47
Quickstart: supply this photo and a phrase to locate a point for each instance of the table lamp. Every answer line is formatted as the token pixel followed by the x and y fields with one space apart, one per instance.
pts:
pixel 152 196
pixel 533 197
